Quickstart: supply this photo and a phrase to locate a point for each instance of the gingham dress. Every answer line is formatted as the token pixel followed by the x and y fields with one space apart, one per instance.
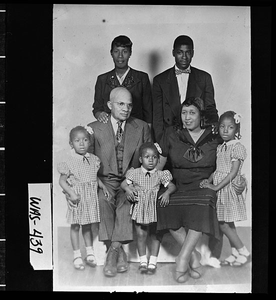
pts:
pixel 230 206
pixel 144 211
pixel 82 177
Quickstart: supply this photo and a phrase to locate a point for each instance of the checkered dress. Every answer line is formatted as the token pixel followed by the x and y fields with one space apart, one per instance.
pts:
pixel 230 206
pixel 144 211
pixel 82 177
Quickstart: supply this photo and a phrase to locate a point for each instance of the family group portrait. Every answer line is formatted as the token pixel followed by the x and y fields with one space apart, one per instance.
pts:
pixel 152 148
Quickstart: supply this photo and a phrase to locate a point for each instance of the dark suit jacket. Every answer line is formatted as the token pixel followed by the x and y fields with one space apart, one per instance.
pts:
pixel 166 98
pixel 103 145
pixel 136 82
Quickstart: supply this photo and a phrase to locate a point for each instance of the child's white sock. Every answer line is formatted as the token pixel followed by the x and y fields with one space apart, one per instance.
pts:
pixel 90 254
pixel 153 260
pixel 244 251
pixel 143 259
pixel 234 254
pixel 235 251
pixel 78 262
pixel 89 250
pixel 242 256
pixel 77 253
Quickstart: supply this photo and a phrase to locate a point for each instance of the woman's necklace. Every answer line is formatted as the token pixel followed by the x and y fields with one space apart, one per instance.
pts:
pixel 196 135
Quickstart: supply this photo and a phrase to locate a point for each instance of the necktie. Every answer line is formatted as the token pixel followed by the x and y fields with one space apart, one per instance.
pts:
pixel 178 71
pixel 148 174
pixel 119 134
pixel 223 147
pixel 85 159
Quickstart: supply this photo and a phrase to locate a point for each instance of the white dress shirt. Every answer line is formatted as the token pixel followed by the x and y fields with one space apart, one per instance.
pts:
pixel 114 124
pixel 122 78
pixel 182 81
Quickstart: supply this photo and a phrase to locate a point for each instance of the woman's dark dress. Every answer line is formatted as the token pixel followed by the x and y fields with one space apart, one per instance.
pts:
pixel 190 206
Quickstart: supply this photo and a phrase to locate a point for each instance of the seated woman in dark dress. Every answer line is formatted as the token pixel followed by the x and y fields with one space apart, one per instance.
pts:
pixel 191 152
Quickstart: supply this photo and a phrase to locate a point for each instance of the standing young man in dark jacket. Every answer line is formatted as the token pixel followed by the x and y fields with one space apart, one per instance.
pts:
pixel 173 86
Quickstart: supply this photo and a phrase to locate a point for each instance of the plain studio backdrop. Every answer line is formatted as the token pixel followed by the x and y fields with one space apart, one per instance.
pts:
pixel 82 36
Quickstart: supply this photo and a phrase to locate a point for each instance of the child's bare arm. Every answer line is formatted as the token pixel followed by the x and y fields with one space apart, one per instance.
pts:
pixel 103 187
pixel 67 189
pixel 233 173
pixel 205 182
pixel 165 197
pixel 129 189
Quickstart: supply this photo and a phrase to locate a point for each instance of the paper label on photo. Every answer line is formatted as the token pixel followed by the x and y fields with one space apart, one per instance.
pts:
pixel 40 226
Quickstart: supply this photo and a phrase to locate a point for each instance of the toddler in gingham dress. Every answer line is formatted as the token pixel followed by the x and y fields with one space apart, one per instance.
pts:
pixel 230 206
pixel 141 186
pixel 78 179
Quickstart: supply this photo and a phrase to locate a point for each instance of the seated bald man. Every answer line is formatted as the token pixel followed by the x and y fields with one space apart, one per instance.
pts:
pixel 116 143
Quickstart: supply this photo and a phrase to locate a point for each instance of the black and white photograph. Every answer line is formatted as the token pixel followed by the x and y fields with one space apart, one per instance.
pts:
pixel 152 168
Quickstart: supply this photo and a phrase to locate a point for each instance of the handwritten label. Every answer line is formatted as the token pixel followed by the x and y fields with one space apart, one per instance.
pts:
pixel 40 226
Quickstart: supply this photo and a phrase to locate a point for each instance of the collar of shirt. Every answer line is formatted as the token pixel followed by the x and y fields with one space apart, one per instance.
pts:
pixel 122 78
pixel 78 156
pixel 145 171
pixel 115 125
pixel 232 142
pixel 188 69
pixel 226 144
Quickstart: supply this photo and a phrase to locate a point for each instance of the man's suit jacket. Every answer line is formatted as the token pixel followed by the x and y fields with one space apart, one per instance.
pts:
pixel 136 132
pixel 136 82
pixel 166 98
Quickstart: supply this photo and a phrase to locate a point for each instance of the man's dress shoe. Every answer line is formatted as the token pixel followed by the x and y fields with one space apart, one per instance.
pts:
pixel 110 268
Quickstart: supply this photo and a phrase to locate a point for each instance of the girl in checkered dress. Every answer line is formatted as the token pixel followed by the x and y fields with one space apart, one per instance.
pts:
pixel 230 206
pixel 78 179
pixel 141 186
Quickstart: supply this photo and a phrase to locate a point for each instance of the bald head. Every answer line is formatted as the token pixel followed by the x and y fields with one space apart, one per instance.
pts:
pixel 120 103
pixel 120 93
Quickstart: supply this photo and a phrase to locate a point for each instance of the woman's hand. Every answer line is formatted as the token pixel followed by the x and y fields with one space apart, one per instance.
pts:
pixel 204 183
pixel 239 187
pixel 164 199
pixel 103 117
pixel 208 185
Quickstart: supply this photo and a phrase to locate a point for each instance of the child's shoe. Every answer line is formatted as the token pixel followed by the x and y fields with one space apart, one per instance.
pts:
pixel 78 263
pixel 143 267
pixel 243 257
pixel 151 269
pixel 90 259
pixel 229 261
pixel 152 265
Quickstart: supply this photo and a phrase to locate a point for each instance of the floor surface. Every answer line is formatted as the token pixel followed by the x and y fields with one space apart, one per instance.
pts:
pixel 226 279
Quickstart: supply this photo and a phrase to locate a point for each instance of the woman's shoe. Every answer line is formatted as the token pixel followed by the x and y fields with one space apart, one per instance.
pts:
pixel 195 265
pixel 194 272
pixel 92 261
pixel 181 277
pixel 78 266
pixel 143 267
pixel 151 269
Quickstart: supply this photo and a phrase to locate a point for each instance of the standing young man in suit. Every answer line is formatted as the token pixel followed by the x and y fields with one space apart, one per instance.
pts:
pixel 137 82
pixel 116 143
pixel 173 86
